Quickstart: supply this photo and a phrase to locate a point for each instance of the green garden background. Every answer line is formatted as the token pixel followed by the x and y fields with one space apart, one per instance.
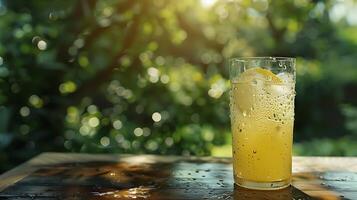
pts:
pixel 150 76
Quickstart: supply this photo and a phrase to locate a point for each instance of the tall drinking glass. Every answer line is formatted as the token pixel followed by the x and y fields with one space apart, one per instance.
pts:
pixel 262 119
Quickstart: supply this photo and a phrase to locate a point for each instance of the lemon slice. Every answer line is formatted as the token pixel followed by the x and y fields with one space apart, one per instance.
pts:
pixel 260 73
pixel 247 89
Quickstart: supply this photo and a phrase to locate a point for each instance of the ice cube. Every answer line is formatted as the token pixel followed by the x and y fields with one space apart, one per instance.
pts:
pixel 286 77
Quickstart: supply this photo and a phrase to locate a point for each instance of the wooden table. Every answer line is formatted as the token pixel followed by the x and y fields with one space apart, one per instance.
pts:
pixel 84 176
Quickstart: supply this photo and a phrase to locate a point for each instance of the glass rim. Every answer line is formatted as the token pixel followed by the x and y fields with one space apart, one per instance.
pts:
pixel 268 58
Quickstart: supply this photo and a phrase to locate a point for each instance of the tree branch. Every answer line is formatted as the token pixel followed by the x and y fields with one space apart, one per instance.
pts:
pixel 277 33
pixel 77 13
pixel 100 30
pixel 103 75
pixel 196 32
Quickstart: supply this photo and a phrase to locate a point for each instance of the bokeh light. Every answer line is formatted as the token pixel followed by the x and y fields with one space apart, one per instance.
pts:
pixel 156 117
pixel 42 45
pixel 138 132
pixel 24 111
pixel 117 124
pixel 105 141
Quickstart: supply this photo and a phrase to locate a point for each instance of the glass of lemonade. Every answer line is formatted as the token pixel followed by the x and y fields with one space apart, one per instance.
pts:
pixel 262 119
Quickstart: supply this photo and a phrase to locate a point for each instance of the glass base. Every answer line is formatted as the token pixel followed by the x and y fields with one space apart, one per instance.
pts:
pixel 255 185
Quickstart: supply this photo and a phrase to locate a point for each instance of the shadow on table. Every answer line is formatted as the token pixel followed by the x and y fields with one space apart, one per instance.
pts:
pixel 288 193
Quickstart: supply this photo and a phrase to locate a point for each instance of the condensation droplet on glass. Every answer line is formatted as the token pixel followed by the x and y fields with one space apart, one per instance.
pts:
pixel 244 113
pixel 1 60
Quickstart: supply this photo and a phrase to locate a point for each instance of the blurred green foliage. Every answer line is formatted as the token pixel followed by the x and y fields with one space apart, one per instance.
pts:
pixel 130 76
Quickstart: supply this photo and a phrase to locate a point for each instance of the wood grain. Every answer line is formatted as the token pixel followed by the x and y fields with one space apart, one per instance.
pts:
pixel 88 176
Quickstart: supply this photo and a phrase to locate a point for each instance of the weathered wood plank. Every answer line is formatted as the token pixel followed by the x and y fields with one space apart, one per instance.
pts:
pixel 85 176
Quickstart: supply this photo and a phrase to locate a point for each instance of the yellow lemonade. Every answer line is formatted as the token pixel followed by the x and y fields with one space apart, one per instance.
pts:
pixel 262 117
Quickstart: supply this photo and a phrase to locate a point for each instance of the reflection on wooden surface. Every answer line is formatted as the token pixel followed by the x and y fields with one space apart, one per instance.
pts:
pixel 152 178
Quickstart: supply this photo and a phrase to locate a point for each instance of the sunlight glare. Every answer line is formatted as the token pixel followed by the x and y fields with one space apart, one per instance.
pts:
pixel 208 3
